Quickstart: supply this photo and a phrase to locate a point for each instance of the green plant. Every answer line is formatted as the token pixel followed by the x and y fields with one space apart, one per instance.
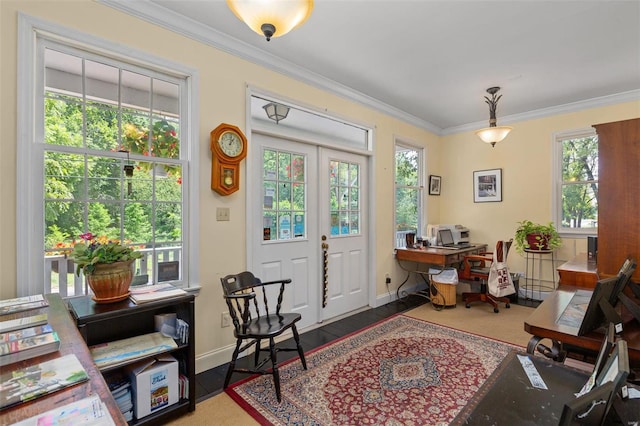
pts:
pixel 543 236
pixel 93 250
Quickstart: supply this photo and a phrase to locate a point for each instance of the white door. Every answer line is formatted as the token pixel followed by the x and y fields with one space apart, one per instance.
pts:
pixel 295 196
pixel 343 229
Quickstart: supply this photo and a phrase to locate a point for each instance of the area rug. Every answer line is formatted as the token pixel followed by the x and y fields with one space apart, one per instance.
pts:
pixel 400 371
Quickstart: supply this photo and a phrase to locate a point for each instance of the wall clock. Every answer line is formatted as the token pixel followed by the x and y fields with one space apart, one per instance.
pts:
pixel 228 149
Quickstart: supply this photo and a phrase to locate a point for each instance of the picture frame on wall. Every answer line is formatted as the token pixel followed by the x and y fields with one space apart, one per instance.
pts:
pixel 487 186
pixel 434 184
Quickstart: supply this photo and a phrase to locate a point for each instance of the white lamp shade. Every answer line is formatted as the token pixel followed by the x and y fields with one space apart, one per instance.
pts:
pixel 284 15
pixel 493 134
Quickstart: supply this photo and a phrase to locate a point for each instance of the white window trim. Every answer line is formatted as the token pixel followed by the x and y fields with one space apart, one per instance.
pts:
pixel 29 207
pixel 422 217
pixel 556 192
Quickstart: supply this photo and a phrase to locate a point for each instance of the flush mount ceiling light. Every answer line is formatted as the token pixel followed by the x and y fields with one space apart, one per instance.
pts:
pixel 493 133
pixel 271 18
pixel 276 111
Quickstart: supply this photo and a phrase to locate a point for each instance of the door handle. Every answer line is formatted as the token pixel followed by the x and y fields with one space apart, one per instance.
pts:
pixel 325 276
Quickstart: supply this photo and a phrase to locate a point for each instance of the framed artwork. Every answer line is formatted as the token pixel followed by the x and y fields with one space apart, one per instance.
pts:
pixel 487 186
pixel 434 184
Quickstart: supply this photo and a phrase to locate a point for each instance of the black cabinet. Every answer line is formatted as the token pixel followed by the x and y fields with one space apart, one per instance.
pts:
pixel 103 323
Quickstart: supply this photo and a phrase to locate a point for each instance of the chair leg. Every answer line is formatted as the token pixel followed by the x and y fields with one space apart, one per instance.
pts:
pixel 232 364
pixel 256 359
pixel 296 337
pixel 276 373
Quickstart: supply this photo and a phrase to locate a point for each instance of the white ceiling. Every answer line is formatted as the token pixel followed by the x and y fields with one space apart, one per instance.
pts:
pixel 429 61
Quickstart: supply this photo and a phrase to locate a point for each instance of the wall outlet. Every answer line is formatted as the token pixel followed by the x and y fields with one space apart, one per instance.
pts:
pixel 226 319
pixel 387 279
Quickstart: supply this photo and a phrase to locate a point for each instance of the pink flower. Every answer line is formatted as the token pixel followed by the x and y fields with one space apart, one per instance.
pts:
pixel 87 237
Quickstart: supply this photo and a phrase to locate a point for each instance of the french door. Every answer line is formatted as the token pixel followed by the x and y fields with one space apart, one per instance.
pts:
pixel 308 211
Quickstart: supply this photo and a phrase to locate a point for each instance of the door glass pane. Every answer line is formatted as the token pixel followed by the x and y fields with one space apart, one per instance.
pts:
pixel 284 195
pixel 344 198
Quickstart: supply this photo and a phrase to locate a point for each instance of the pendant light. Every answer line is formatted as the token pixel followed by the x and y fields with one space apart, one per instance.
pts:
pixel 271 18
pixel 493 133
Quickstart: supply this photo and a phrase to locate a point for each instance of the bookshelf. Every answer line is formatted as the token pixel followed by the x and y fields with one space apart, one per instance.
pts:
pixel 104 323
pixel 71 342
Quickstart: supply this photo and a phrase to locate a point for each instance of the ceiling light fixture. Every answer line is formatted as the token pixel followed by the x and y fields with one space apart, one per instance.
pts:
pixel 276 111
pixel 271 18
pixel 493 133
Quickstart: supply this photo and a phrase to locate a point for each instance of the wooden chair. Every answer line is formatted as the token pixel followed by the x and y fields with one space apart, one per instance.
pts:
pixel 252 324
pixel 476 267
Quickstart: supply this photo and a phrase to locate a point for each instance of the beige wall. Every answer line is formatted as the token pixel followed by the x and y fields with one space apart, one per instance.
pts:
pixel 222 99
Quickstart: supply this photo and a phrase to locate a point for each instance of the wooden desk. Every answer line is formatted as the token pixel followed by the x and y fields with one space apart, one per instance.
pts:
pixel 431 256
pixel 579 272
pixel 70 343
pixel 438 256
pixel 543 324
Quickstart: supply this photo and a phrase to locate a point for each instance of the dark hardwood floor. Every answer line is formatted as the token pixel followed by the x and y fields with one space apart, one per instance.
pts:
pixel 209 383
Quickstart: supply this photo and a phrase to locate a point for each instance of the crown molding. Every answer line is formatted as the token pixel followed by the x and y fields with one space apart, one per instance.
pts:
pixel 630 96
pixel 161 16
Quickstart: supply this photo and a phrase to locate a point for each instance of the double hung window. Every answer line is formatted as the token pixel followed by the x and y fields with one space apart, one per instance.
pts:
pixel 409 192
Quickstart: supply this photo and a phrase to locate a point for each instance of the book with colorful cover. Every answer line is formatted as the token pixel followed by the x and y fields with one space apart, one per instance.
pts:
pixel 11 306
pixel 25 384
pixel 20 323
pixel 25 332
pixel 28 347
pixel 149 293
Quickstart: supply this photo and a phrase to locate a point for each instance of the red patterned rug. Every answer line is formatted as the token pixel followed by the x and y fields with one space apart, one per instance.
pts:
pixel 401 371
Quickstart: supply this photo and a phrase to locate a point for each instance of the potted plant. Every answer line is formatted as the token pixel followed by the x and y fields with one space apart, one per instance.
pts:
pixel 107 265
pixel 536 236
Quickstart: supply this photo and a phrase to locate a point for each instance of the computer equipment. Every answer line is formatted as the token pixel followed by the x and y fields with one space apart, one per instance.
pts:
pixel 445 240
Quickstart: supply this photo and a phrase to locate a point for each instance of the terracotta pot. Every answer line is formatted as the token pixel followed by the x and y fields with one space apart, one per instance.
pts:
pixel 537 242
pixel 110 281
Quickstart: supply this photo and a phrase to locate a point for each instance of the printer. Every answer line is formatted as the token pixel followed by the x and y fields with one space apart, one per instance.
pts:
pixel 460 233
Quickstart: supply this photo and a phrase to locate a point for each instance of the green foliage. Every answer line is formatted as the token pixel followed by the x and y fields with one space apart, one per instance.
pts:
pixel 406 190
pixel 546 235
pixel 579 176
pixel 93 250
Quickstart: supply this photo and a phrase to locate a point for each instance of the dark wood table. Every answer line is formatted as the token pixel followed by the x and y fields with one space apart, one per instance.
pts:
pixel 543 324
pixel 70 343
pixel 508 398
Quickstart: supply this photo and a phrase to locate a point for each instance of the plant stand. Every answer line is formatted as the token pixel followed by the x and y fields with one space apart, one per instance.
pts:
pixel 533 283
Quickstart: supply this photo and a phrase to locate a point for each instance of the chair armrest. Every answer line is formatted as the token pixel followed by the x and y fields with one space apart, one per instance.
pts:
pixel 285 281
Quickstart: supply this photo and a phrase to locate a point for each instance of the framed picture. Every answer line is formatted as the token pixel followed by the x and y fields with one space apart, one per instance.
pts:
pixel 487 186
pixel 434 185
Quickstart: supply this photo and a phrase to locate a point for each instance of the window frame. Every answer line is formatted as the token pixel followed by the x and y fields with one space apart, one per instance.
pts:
pixel 421 219
pixel 33 33
pixel 557 176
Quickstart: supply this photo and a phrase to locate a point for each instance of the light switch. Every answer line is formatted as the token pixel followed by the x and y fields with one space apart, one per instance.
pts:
pixel 222 214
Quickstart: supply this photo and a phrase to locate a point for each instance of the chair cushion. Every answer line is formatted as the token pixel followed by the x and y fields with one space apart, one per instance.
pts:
pixel 269 326
pixel 484 271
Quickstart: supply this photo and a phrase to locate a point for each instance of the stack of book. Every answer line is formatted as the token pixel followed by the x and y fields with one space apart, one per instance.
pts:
pixel 121 391
pixel 149 293
pixel 26 337
pixel 183 386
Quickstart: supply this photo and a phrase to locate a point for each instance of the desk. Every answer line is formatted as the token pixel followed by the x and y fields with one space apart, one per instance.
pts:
pixel 507 397
pixel 579 272
pixel 432 256
pixel 70 343
pixel 543 324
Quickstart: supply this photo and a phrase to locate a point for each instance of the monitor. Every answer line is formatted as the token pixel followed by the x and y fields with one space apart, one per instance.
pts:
pixel 600 311
pixel 445 236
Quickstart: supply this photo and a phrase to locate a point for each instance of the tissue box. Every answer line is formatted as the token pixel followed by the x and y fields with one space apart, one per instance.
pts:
pixel 154 383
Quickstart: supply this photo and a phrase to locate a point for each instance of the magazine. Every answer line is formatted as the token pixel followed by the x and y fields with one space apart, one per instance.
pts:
pixel 121 351
pixel 149 293
pixel 90 411
pixel 19 323
pixel 28 383
pixel 25 332
pixel 19 307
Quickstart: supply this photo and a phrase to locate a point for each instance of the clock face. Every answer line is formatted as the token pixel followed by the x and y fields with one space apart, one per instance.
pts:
pixel 231 144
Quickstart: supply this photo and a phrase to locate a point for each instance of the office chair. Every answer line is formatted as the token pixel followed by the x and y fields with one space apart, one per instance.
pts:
pixel 257 323
pixel 476 267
